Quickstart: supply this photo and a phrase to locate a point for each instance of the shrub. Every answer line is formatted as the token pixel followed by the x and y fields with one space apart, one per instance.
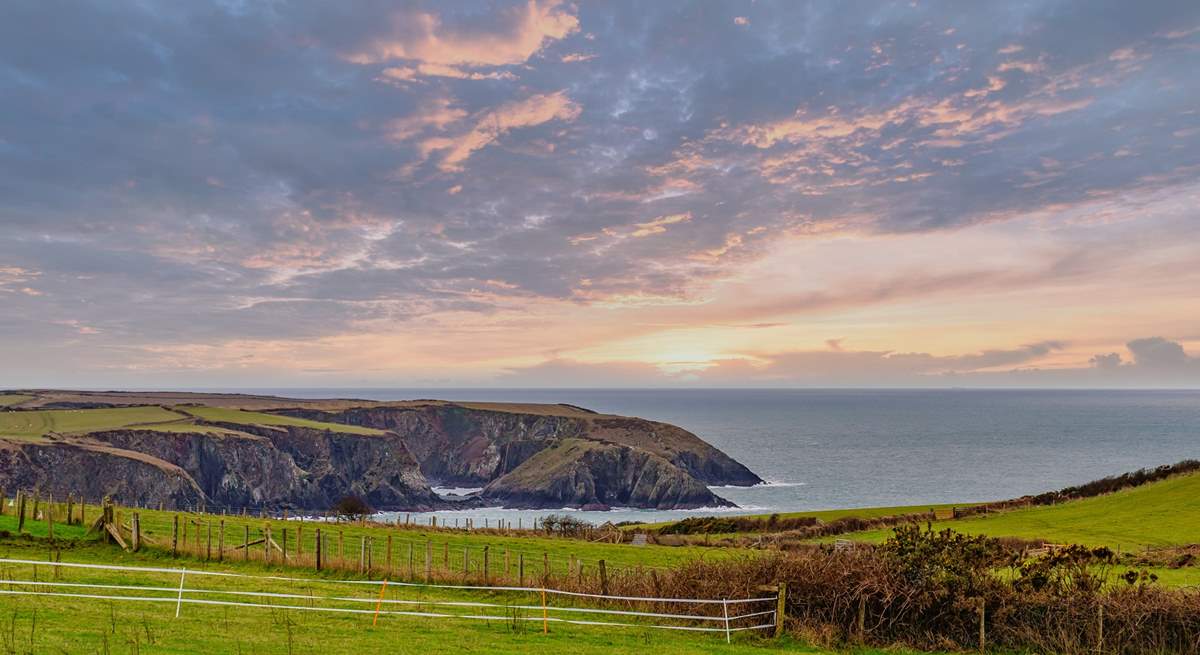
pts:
pixel 352 507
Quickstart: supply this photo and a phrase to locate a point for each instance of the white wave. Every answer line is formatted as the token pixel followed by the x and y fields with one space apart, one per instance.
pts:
pixel 761 485
pixel 455 491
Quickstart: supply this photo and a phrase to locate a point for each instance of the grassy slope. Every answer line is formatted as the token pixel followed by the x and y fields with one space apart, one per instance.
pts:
pixel 226 415
pixel 35 424
pixel 1159 514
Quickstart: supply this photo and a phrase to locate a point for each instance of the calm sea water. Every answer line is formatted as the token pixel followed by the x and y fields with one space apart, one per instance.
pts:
pixel 823 449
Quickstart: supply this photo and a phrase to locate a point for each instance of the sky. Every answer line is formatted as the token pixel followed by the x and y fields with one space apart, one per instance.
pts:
pixel 541 193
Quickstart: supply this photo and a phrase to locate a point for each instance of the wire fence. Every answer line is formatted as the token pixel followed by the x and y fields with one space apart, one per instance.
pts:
pixel 181 587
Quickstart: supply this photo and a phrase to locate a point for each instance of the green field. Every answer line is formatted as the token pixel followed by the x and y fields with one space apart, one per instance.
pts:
pixel 32 425
pixel 225 415
pixel 7 399
pixel 828 515
pixel 74 625
pixel 1165 513
pixel 36 424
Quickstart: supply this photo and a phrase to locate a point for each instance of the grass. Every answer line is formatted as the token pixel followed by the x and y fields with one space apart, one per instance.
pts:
pixel 36 424
pixel 51 624
pixel 242 417
pixel 828 515
pixel 8 399
pixel 33 425
pixel 1165 513
pixel 157 526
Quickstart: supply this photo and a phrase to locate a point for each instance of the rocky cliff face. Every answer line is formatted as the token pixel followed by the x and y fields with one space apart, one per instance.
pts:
pixel 295 467
pixel 95 471
pixel 598 460
pixel 300 458
pixel 597 475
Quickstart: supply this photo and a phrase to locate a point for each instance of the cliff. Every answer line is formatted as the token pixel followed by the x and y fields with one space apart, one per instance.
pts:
pixel 303 454
pixel 597 475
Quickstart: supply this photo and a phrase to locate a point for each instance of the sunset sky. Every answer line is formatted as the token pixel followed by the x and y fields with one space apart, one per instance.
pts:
pixel 600 194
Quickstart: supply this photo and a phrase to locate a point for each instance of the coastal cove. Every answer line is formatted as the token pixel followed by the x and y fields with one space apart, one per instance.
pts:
pixel 826 449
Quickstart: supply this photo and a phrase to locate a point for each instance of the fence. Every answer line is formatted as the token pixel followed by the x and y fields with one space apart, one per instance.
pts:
pixel 137 584
pixel 384 548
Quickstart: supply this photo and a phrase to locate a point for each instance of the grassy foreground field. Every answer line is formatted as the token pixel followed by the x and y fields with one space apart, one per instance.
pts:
pixel 76 625
pixel 449 546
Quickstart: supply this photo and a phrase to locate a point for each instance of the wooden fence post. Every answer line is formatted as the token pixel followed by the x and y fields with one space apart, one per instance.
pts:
pixel 1100 629
pixel 520 569
pixel 3 503
pixel 428 561
pixel 246 542
pixel 283 545
pixel 208 541
pixel 221 541
pixel 317 548
pixel 466 559
pixel 603 579
pixel 446 557
pixel 50 517
pixel 485 564
pixel 299 542
pixel 362 553
pixel 862 619
pixel 175 537
pixel 20 511
pixel 507 568
pixel 780 609
pixel 136 523
pixel 982 629
pixel 70 506
pixel 341 549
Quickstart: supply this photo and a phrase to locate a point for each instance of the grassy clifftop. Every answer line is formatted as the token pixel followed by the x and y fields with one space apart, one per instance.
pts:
pixel 34 425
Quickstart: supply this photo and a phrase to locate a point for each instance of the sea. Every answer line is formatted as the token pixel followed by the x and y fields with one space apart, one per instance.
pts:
pixel 828 449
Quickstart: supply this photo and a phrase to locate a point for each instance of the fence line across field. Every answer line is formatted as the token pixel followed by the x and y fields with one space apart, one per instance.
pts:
pixel 390 583
pixel 179 596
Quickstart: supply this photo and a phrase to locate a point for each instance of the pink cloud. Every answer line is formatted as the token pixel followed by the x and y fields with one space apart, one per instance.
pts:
pixel 423 37
pixel 494 123
pixel 438 114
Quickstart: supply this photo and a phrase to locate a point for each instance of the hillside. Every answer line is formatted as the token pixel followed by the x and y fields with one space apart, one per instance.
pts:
pixel 234 451
pixel 1158 514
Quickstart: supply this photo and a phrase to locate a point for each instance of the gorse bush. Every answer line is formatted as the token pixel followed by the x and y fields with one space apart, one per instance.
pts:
pixel 352 507
pixel 924 589
pixel 730 524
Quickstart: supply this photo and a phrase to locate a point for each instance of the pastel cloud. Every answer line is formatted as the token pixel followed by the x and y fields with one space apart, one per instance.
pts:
pixel 495 123
pixel 424 37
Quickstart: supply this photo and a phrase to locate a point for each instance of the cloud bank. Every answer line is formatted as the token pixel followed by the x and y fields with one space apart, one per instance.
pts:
pixel 325 193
